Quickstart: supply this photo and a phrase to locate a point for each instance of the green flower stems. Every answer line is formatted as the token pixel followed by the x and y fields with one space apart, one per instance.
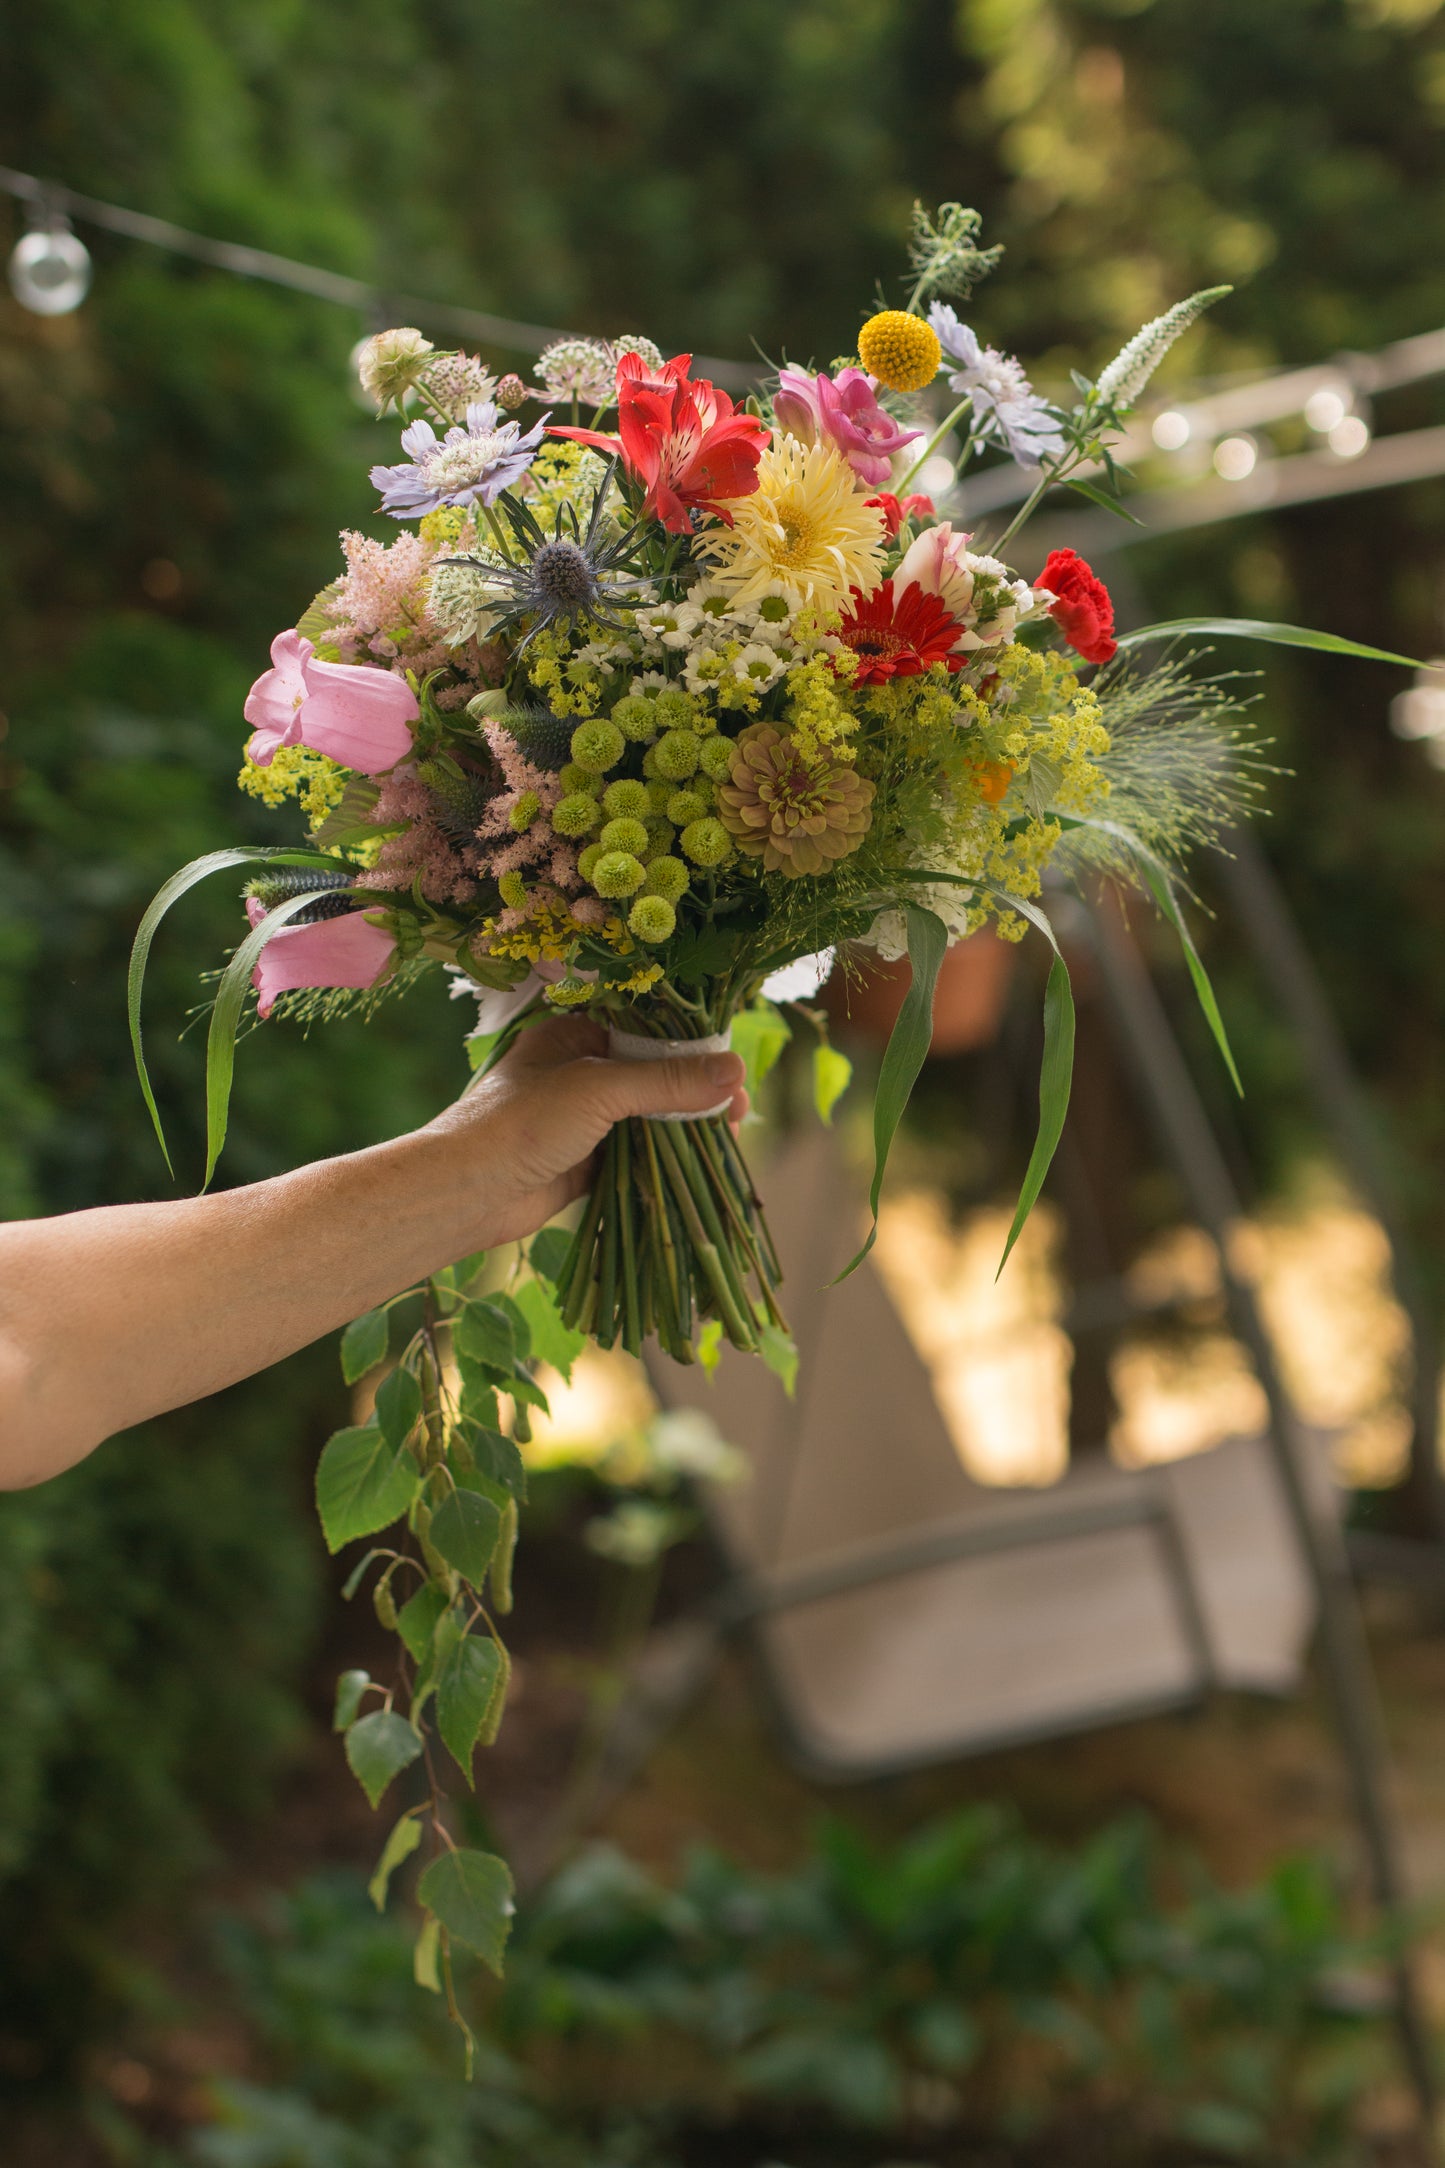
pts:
pixel 673 1233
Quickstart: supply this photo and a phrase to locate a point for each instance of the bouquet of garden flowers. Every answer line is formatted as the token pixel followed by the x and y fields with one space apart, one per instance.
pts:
pixel 656 705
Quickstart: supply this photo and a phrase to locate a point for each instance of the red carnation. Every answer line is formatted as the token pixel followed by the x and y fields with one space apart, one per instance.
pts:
pixel 1081 607
pixel 898 639
pixel 686 442
pixel 896 511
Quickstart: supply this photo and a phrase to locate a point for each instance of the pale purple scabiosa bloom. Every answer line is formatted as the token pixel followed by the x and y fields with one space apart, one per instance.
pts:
pixel 1006 408
pixel 842 411
pixel 476 462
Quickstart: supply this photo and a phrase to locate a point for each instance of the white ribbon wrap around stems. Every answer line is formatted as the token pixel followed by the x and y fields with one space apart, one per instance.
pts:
pixel 637 1046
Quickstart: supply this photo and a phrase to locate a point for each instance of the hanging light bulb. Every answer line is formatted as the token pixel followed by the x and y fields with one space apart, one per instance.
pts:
pixel 49 269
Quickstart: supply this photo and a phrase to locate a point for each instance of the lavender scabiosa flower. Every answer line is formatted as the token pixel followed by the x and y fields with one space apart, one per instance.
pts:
pixel 1006 408
pixel 470 464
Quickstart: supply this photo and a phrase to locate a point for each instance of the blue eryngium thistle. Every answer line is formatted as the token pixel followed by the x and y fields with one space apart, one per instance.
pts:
pixel 562 576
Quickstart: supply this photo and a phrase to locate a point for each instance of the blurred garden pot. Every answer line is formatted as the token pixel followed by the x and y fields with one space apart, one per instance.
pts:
pixel 863 1000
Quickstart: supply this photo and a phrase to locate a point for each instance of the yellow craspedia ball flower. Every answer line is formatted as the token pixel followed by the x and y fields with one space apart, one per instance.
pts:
pixel 900 350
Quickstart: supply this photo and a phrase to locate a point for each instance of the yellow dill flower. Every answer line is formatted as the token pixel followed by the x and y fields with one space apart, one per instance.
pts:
pixel 296 771
pixel 807 527
pixel 900 350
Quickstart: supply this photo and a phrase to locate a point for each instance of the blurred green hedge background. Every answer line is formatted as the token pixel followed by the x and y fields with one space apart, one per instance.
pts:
pixel 181 452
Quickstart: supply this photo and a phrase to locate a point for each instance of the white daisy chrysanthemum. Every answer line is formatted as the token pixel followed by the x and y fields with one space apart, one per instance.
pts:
pixel 758 667
pixel 806 528
pixel 705 666
pixel 673 623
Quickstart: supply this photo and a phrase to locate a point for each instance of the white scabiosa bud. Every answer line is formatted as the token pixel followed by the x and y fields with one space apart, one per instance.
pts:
pixel 389 364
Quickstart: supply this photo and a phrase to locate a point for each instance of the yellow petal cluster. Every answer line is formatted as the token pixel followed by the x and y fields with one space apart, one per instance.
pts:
pixel 807 527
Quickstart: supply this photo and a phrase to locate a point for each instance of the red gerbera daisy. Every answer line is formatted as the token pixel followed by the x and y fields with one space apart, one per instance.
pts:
pixel 899 639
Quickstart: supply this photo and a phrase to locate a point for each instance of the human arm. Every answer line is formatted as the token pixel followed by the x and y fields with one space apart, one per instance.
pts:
pixel 113 1315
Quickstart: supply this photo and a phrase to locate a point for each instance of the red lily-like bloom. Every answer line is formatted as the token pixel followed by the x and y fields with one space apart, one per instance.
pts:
pixel 686 442
pixel 896 510
pixel 898 639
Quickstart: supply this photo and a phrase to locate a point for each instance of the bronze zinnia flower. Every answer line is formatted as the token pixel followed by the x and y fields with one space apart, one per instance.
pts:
pixel 798 815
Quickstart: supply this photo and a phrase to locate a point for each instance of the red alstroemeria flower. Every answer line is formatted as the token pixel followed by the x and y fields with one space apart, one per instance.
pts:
pixel 687 443
pixel 896 510
pixel 1081 607
pixel 898 638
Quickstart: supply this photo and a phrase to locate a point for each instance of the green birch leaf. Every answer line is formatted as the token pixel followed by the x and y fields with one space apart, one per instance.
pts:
pixel 483 1334
pixel 425 1968
pixel 171 892
pixel 759 1034
pixel 398 1406
pixel 832 1074
pixel 226 1014
pixel 471 1895
pixel 779 1351
pixel 552 1342
pixel 470 1684
pixel 904 1056
pixel 378 1748
pixel 458 1278
pixel 547 1252
pixel 521 1330
pixel 399 1846
pixel 495 1460
pixel 464 1529
pixel 416 1620
pixel 709 1345
pixel 349 1689
pixel 362 1485
pixel 363 1344
pixel 1256 628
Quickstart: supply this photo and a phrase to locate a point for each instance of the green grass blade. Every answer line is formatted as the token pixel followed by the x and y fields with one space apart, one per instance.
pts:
pixel 1159 888
pixel 908 1045
pixel 177 886
pixel 225 1022
pixel 1256 628
pixel 1056 1072
pixel 1056 1075
pixel 1155 875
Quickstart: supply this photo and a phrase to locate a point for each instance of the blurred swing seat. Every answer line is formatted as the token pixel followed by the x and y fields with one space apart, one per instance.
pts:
pixel 906 1614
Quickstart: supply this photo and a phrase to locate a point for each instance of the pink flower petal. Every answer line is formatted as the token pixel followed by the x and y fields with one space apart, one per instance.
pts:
pixel 357 715
pixel 345 951
pixel 273 701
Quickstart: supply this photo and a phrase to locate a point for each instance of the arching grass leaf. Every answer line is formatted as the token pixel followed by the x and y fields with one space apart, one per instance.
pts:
pixel 907 1048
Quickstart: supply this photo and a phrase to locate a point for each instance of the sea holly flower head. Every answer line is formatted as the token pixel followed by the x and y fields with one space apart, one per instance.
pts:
pixel 842 411
pixel 356 715
pixel 470 464
pixel 1006 408
pixel 346 950
pixel 899 637
pixel 685 442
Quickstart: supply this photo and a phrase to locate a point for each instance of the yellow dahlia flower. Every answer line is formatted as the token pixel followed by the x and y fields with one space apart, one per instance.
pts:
pixel 807 527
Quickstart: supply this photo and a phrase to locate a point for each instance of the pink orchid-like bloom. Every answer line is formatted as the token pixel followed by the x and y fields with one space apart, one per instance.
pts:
pixel 842 411
pixel 355 715
pixel 343 951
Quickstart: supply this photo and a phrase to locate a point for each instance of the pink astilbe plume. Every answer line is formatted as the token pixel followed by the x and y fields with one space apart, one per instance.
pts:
pixel 537 848
pixel 379 614
pixel 447 866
